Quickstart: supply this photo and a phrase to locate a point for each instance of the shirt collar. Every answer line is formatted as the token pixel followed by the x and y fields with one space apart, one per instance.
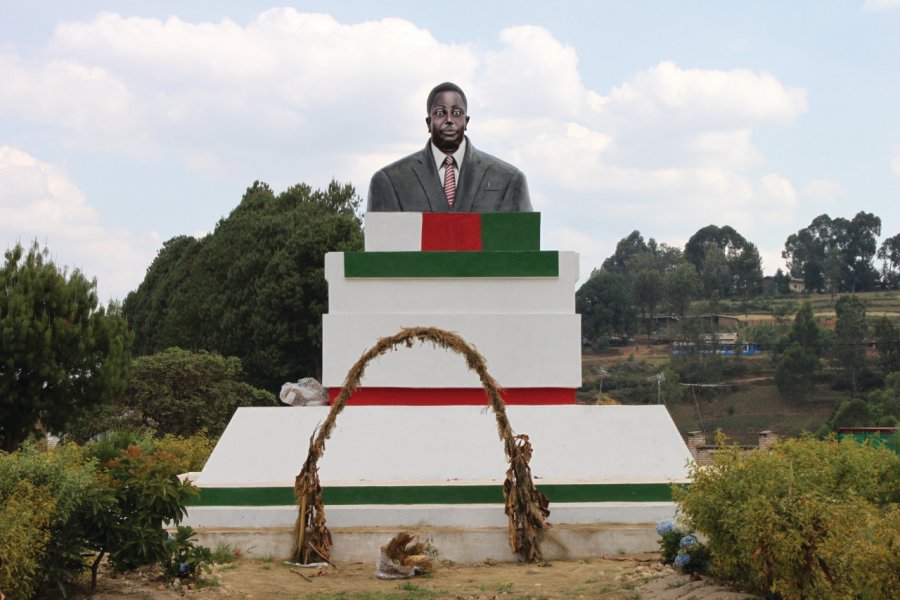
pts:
pixel 458 156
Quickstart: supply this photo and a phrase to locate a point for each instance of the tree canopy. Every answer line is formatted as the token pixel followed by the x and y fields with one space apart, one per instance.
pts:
pixel 835 254
pixel 255 287
pixel 59 351
pixel 728 264
pixel 181 392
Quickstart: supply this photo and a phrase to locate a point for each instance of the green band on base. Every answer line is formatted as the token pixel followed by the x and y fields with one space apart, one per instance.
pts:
pixel 423 494
pixel 452 264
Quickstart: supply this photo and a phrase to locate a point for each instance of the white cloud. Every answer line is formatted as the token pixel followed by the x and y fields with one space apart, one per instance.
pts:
pixel 292 96
pixel 881 4
pixel 667 92
pixel 826 191
pixel 38 202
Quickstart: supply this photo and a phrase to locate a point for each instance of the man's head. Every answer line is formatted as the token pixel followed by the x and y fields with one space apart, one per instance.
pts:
pixel 447 117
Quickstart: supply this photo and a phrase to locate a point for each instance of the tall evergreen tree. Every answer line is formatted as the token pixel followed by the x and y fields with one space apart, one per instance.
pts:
pixel 255 287
pixel 59 351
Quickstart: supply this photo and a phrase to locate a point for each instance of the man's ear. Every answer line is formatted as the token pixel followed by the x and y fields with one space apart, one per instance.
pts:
pixel 428 122
pixel 467 120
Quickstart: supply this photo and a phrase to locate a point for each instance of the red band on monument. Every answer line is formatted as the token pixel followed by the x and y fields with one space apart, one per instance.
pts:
pixel 443 232
pixel 385 396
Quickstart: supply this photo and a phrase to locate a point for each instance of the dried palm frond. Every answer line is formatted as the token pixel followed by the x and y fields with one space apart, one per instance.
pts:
pixel 526 507
pixel 404 557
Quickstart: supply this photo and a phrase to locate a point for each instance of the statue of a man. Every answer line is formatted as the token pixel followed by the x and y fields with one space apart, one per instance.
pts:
pixel 449 175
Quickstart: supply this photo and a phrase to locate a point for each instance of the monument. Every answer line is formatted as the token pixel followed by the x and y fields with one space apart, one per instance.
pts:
pixel 416 448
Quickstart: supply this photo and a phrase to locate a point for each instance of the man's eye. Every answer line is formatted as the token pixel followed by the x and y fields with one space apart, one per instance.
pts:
pixel 439 113
pixel 457 113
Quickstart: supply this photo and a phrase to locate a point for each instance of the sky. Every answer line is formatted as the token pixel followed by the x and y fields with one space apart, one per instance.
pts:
pixel 124 124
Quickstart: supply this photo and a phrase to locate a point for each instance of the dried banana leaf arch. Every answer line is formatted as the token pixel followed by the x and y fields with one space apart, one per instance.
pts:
pixel 526 507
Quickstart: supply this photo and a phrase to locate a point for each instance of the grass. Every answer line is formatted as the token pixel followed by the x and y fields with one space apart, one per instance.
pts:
pixel 224 553
pixel 744 412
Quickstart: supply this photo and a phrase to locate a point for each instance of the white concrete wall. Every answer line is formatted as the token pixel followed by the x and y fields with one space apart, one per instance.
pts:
pixel 393 232
pixel 472 295
pixel 564 542
pixel 442 445
pixel 521 350
pixel 443 515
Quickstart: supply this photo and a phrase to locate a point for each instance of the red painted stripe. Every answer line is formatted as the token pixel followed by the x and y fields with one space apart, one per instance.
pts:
pixel 384 396
pixel 451 231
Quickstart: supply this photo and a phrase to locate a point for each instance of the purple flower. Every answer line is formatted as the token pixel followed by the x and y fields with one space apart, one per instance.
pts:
pixel 664 527
pixel 682 560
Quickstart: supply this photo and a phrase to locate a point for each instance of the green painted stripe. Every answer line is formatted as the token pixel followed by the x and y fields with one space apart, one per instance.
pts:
pixel 510 231
pixel 423 494
pixel 451 264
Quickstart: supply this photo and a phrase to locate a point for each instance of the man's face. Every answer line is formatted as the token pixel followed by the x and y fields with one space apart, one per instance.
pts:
pixel 447 121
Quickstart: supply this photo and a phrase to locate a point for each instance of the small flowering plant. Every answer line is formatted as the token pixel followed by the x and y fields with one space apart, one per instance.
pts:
pixel 681 548
pixel 692 556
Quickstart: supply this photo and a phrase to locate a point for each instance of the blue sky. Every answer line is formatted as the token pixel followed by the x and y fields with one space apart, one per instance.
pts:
pixel 124 124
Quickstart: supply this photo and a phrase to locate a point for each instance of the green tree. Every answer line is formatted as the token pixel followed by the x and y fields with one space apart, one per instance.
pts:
pixel 605 305
pixel 849 345
pixel 885 403
pixel 795 374
pixel 798 365
pixel 626 249
pixel 889 254
pixel 805 332
pixel 255 287
pixel 682 284
pixel 782 283
pixel 837 252
pixel 887 344
pixel 854 412
pixel 647 288
pixel 728 263
pixel 177 392
pixel 59 352
pixel 714 272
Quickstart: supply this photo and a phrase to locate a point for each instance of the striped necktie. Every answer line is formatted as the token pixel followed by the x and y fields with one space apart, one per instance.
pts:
pixel 449 180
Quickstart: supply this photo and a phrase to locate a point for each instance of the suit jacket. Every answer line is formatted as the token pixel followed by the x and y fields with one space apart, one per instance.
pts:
pixel 486 184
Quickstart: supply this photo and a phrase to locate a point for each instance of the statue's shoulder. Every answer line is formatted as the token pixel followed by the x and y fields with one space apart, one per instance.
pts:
pixel 489 161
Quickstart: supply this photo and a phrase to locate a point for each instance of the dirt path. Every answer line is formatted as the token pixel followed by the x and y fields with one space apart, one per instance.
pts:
pixel 621 577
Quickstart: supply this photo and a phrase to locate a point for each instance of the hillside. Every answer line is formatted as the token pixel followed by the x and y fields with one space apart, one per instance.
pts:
pixel 741 406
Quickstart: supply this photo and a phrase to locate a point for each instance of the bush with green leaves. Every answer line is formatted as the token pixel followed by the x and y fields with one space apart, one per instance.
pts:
pixel 61 478
pixel 807 519
pixel 184 558
pixel 176 392
pixel 25 515
pixel 147 492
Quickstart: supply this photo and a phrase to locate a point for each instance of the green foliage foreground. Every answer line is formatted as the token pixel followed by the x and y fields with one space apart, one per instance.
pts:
pixel 63 510
pixel 807 519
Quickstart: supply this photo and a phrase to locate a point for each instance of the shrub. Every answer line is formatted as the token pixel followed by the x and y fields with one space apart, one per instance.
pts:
pixel 681 548
pixel 59 478
pixel 184 559
pixel 147 494
pixel 807 519
pixel 669 536
pixel 188 453
pixel 25 516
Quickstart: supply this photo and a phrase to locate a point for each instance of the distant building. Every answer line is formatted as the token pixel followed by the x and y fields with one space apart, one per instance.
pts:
pixel 719 343
pixel 667 327
pixel 796 285
pixel 703 452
